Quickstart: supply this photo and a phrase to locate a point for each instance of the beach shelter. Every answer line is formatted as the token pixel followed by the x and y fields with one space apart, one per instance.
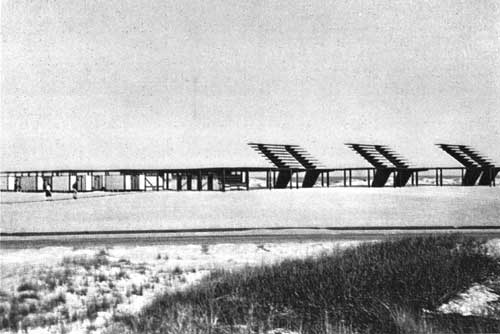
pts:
pixel 386 161
pixel 289 157
pixel 477 166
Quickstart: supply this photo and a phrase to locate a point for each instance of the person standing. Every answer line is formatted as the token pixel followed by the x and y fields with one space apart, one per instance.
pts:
pixel 48 191
pixel 75 190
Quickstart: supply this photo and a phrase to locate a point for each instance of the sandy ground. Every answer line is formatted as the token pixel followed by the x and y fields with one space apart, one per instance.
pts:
pixel 128 279
pixel 320 207
pixel 131 276
pixel 186 257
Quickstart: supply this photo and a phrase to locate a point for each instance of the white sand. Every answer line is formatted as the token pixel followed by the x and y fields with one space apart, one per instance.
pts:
pixel 478 300
pixel 150 269
pixel 15 262
pixel 325 207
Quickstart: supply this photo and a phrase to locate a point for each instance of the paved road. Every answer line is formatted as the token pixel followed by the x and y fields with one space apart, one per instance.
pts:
pixel 251 236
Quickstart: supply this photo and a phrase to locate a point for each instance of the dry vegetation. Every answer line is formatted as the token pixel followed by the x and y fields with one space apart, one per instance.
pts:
pixel 395 286
pixel 87 290
pixel 387 287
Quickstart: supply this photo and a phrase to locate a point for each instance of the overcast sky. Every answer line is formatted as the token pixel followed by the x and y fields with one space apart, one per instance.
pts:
pixel 124 84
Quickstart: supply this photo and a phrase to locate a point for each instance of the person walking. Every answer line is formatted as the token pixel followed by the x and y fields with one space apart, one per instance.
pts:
pixel 48 191
pixel 75 190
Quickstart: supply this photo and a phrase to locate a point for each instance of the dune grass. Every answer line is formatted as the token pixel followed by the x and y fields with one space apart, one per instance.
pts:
pixel 373 288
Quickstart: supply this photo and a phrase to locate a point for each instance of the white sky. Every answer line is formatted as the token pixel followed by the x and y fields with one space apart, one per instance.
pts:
pixel 122 84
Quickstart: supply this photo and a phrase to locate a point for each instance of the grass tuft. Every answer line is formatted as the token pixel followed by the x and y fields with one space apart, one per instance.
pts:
pixel 205 249
pixel 373 288
pixel 87 262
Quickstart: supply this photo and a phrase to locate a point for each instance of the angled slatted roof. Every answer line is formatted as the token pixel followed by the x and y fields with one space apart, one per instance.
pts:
pixel 286 156
pixel 466 155
pixel 380 156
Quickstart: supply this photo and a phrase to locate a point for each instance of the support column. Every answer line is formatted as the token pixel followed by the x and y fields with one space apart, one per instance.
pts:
pixel 247 179
pixel 345 178
pixel 328 179
pixel 200 184
pixel 179 182
pixel 350 177
pixel 441 177
pixel 368 179
pixel 297 180
pixel 223 187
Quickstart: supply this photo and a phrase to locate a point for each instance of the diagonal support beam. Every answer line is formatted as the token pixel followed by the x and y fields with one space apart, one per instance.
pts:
pixel 385 161
pixel 470 177
pixel 458 155
pixel 380 178
pixel 488 175
pixel 304 159
pixel 372 159
pixel 402 178
pixel 284 178
pixel 272 157
pixel 477 166
pixel 311 176
pixel 289 157
pixel 483 161
pixel 310 179
pixel 392 157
